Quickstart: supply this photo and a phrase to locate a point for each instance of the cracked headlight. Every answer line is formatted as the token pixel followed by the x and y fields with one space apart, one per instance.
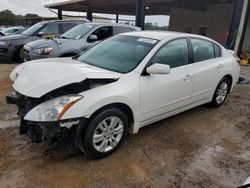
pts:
pixel 53 109
pixel 44 51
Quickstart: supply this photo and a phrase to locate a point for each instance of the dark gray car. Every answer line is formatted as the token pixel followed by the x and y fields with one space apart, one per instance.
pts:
pixel 10 46
pixel 74 41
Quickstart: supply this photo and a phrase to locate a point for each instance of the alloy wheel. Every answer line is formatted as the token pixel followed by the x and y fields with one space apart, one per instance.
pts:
pixel 108 134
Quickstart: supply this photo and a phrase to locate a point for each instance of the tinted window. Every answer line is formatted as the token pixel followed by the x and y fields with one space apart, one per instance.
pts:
pixel 103 33
pixel 217 50
pixel 174 54
pixel 118 30
pixel 67 26
pixel 50 29
pixel 203 50
pixel 120 53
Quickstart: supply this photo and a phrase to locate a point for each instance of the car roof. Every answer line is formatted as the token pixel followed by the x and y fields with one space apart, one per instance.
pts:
pixel 16 27
pixel 63 21
pixel 160 35
pixel 111 24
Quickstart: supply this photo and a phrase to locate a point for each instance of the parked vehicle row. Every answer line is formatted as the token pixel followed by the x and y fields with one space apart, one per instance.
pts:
pixel 74 41
pixel 118 86
pixel 11 46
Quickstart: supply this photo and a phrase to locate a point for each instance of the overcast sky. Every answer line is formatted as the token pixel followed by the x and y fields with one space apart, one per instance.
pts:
pixel 37 7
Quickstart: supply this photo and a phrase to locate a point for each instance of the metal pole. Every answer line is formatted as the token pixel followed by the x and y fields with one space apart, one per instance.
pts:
pixel 117 18
pixel 140 13
pixel 89 13
pixel 235 22
pixel 59 14
pixel 242 27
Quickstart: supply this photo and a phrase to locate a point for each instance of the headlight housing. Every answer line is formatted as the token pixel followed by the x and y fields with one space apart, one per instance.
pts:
pixel 53 109
pixel 43 51
pixel 5 43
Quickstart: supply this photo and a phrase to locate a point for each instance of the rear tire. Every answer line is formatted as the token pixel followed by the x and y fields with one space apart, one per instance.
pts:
pixel 105 133
pixel 221 93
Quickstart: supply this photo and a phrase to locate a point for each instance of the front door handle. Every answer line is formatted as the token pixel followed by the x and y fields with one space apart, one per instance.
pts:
pixel 220 66
pixel 188 77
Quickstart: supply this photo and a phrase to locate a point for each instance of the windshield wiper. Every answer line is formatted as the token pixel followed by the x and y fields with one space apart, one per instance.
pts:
pixel 55 41
pixel 76 57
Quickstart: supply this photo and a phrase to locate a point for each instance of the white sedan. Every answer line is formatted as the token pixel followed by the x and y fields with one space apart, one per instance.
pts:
pixel 118 86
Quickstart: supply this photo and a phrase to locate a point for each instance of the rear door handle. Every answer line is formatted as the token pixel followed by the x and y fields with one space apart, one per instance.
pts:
pixel 188 77
pixel 220 66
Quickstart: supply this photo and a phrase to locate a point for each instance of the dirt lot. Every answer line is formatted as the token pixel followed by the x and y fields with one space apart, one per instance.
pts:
pixel 202 147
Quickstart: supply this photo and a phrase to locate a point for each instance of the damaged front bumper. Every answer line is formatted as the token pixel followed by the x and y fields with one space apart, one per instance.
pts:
pixel 41 131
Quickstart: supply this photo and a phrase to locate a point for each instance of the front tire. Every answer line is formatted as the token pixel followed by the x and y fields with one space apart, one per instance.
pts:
pixel 221 92
pixel 105 133
pixel 23 129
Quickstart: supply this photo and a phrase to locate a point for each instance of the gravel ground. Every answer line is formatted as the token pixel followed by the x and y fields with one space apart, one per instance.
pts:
pixel 202 147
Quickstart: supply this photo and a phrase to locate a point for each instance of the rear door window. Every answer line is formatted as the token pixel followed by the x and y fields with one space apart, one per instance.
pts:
pixel 202 50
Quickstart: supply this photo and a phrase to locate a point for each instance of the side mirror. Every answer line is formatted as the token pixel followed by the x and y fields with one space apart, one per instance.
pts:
pixel 92 38
pixel 158 69
pixel 40 34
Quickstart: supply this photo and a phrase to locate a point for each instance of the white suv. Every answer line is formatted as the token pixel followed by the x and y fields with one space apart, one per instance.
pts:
pixel 120 85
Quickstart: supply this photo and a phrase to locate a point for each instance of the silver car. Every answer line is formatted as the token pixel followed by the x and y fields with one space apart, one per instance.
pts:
pixel 74 41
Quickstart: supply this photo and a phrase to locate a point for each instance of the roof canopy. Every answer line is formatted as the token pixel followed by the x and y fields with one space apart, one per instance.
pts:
pixel 128 7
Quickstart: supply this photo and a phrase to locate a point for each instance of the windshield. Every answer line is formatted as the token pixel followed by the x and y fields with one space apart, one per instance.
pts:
pixel 32 29
pixel 9 31
pixel 6 31
pixel 120 53
pixel 77 32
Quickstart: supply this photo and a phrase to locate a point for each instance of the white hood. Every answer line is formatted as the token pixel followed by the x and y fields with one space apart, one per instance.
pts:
pixel 36 78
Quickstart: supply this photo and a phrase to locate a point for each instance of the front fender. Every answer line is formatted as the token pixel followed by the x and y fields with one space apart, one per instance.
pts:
pixel 86 107
pixel 125 91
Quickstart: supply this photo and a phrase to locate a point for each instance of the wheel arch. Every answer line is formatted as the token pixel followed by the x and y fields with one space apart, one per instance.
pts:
pixel 121 106
pixel 230 78
pixel 84 123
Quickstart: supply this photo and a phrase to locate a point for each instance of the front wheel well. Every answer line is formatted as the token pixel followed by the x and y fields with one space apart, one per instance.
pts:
pixel 121 106
pixel 230 78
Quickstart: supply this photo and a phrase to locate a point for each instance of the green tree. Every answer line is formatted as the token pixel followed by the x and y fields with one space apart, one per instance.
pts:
pixel 7 17
pixel 31 16
pixel 154 26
